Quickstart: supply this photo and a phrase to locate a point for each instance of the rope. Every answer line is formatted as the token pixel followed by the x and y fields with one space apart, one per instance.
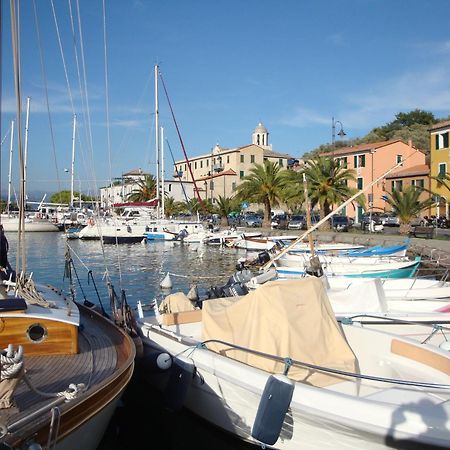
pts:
pixel 26 288
pixel 11 363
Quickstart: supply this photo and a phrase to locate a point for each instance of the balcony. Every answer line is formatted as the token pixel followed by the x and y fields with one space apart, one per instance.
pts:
pixel 217 167
pixel 178 174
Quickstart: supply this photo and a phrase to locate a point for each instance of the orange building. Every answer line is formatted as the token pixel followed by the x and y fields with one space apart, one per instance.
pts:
pixel 371 161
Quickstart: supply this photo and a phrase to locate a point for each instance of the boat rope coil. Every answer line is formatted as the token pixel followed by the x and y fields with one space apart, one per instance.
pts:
pixel 11 362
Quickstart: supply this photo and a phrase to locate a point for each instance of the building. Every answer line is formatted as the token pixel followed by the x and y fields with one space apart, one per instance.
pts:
pixel 221 171
pixel 122 187
pixel 418 176
pixel 371 161
pixel 439 164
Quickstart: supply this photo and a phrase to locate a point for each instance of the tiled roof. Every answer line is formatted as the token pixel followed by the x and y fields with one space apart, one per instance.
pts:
pixel 225 172
pixel 361 147
pixel 135 172
pixel 422 169
pixel 272 154
pixel 444 124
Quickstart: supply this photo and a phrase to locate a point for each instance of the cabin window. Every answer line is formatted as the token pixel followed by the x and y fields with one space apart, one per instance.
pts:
pixel 37 333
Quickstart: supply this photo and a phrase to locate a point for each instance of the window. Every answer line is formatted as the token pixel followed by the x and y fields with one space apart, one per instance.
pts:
pixel 398 159
pixel 252 158
pixel 442 140
pixel 207 163
pixel 211 185
pixel 195 165
pixel 201 164
pixel 420 183
pixel 185 167
pixel 170 187
pixel 228 159
pixel 233 185
pixel 360 183
pixel 398 185
pixel 359 161
pixel 280 162
pixel 442 169
pixel 241 174
pixel 342 162
pixel 242 158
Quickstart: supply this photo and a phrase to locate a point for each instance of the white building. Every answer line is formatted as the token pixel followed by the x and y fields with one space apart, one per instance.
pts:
pixel 122 187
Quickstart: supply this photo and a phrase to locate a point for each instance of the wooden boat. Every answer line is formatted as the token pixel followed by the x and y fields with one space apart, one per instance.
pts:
pixel 77 364
pixel 278 370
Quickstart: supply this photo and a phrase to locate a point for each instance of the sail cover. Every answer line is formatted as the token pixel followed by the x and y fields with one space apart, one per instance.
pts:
pixel 285 318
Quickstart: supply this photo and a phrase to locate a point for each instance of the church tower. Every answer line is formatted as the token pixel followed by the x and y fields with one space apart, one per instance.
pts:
pixel 260 136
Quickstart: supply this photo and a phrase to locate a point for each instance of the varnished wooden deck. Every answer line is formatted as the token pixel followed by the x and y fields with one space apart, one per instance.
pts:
pixel 104 356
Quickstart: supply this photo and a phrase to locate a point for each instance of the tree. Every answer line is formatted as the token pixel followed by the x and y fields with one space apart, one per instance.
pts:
pixel 224 207
pixel 262 185
pixel 328 184
pixel 64 197
pixel 406 205
pixel 293 194
pixel 145 190
pixel 172 207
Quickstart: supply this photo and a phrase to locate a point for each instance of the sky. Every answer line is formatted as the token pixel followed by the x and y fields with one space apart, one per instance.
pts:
pixel 227 65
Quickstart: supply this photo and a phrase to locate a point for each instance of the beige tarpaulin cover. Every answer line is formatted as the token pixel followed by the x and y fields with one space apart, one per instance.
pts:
pixel 176 302
pixel 286 318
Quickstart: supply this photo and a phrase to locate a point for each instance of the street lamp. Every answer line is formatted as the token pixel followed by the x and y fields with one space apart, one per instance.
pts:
pixel 341 132
pixel 206 189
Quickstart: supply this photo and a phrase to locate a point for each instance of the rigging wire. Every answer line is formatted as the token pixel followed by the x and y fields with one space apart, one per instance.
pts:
pixel 173 159
pixel 47 102
pixel 1 91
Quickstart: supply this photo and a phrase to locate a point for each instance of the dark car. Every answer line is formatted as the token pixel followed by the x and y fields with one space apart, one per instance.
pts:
pixel 376 217
pixel 280 221
pixel 252 220
pixel 314 219
pixel 297 222
pixel 341 223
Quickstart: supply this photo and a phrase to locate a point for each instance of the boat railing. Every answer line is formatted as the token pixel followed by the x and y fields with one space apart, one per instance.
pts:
pixel 288 362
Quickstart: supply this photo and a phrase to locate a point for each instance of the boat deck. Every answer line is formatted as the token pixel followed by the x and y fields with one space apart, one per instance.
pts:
pixel 95 362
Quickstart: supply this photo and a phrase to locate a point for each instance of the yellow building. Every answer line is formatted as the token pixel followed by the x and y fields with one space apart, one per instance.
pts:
pixel 221 171
pixel 439 162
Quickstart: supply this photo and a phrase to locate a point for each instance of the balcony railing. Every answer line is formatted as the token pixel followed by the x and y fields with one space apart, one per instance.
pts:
pixel 178 174
pixel 217 167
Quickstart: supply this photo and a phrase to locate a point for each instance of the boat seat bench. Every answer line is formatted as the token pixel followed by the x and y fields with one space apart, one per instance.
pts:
pixel 421 355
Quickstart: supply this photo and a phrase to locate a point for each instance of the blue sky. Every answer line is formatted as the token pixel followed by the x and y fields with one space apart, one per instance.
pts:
pixel 227 65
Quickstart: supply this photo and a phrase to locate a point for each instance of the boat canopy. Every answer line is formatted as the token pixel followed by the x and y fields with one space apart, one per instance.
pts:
pixel 290 319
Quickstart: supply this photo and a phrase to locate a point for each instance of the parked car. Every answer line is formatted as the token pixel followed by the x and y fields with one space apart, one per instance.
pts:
pixel 314 219
pixel 390 220
pixel 252 220
pixel 280 221
pixel 341 223
pixel 296 222
pixel 365 219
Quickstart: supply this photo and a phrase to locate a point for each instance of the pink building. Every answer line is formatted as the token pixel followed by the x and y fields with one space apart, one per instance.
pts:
pixel 371 161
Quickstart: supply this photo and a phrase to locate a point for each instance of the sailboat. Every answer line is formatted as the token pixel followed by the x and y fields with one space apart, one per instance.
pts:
pixel 65 364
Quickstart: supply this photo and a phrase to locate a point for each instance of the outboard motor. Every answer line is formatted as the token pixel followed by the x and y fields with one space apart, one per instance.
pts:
pixel 263 257
pixel 314 267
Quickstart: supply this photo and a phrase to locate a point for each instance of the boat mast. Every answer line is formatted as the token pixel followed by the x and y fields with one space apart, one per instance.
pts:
pixel 25 197
pixel 73 161
pixel 157 142
pixel 163 215
pixel 308 215
pixel 10 167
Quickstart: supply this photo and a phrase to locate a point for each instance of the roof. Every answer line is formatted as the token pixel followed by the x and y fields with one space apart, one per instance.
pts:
pixel 362 147
pixel 135 172
pixel 220 174
pixel 260 128
pixel 444 124
pixel 272 154
pixel 422 169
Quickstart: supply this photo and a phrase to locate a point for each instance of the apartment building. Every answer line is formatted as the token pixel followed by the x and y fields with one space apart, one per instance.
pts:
pixel 440 164
pixel 221 171
pixel 371 161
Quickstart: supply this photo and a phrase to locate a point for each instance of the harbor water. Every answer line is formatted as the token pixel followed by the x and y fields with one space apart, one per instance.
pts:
pixel 140 422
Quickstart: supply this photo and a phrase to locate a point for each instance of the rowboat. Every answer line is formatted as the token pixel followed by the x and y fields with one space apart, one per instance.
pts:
pixel 275 368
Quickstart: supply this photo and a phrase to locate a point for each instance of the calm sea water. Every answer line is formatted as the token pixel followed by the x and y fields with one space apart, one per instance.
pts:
pixel 140 422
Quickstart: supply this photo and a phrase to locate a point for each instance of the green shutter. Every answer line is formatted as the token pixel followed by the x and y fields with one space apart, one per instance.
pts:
pixel 355 161
pixel 445 136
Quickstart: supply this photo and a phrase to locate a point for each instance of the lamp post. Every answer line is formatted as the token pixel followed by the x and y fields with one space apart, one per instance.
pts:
pixel 206 190
pixel 341 132
pixel 371 195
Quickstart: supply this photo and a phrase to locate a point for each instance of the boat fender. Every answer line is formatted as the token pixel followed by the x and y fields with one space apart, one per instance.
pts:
pixel 156 361
pixel 272 409
pixel 166 283
pixel 180 379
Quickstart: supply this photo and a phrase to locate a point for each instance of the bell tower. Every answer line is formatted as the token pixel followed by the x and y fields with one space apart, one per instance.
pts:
pixel 260 136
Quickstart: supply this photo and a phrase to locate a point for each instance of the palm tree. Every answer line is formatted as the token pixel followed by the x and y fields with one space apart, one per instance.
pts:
pixel 262 185
pixel 145 190
pixel 328 184
pixel 225 205
pixel 293 194
pixel 407 205
pixel 172 207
